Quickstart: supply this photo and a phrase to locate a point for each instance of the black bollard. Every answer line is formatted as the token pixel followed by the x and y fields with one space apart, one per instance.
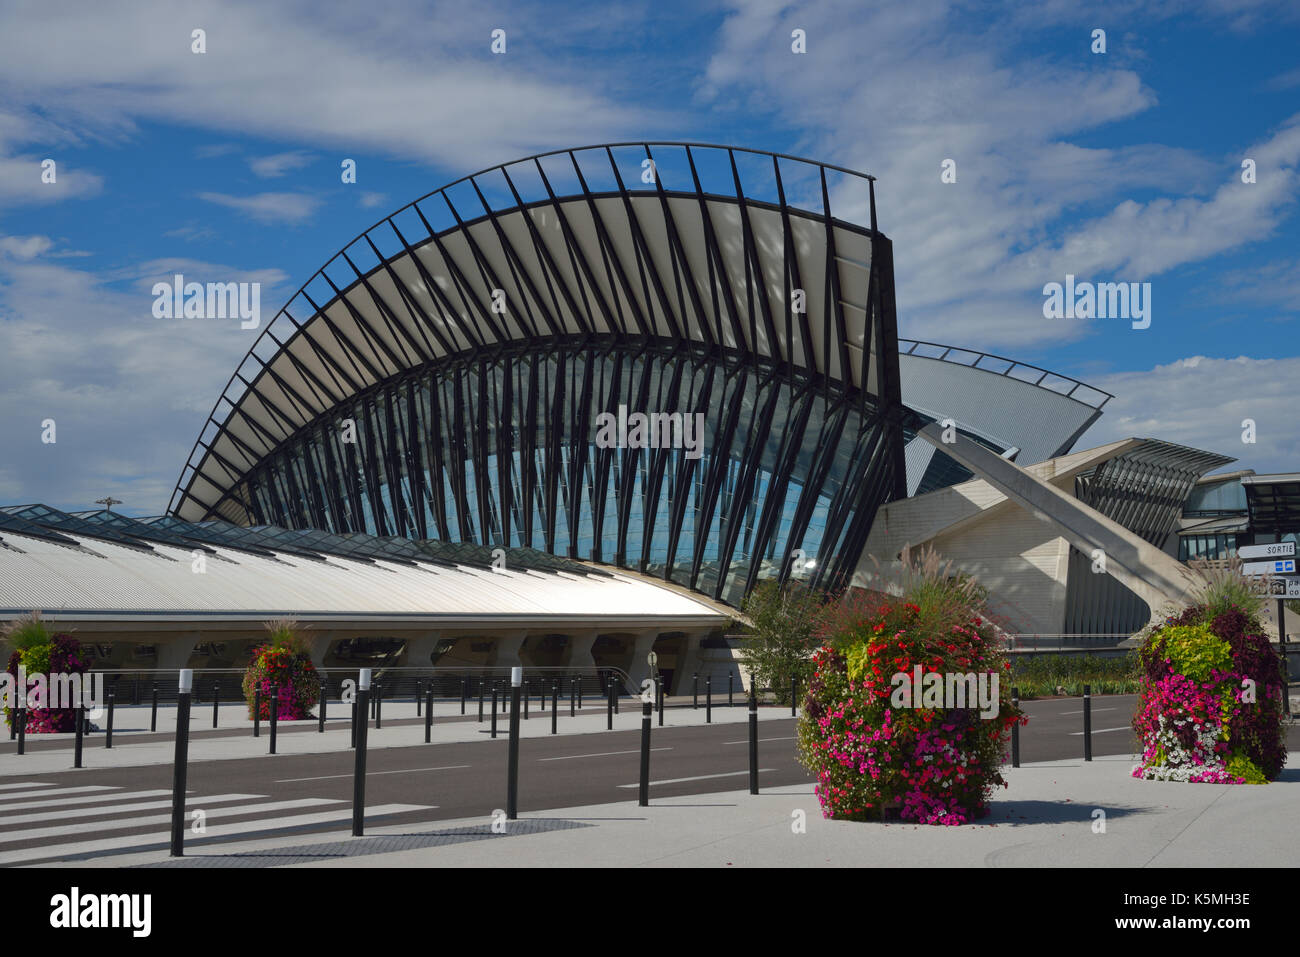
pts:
pixel 359 764
pixel 464 694
pixel 794 694
pixel 1015 730
pixel 324 696
pixel 644 790
pixel 617 687
pixel 555 706
pixel 428 715
pixel 609 708
pixel 708 699
pixel 379 705
pixel 179 763
pixel 494 709
pixel 108 733
pixel 22 729
pixel 1087 723
pixel 573 696
pixel 79 717
pixel 418 699
pixel 514 701
pixel 216 697
pixel 731 702
pixel 274 706
pixel 512 772
pixel 753 739
pixel 257 713
pixel 153 714
pixel 480 702
pixel 660 683
pixel 579 680
pixel 695 691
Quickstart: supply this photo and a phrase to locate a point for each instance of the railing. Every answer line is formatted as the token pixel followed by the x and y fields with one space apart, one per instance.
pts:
pixel 1012 364
pixel 134 687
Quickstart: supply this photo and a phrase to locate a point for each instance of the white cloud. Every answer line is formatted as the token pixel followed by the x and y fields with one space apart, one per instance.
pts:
pixel 1030 203
pixel 128 392
pixel 269 167
pixel 371 200
pixel 1202 402
pixel 269 207
pixel 25 247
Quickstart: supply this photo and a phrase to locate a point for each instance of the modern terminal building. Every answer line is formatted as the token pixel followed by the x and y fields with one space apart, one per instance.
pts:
pixel 574 408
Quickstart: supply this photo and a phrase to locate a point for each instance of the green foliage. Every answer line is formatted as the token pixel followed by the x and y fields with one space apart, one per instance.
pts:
pixel 1241 766
pixel 1225 588
pixel 285 634
pixel 782 635
pixel 1038 676
pixel 29 632
pixel 1195 651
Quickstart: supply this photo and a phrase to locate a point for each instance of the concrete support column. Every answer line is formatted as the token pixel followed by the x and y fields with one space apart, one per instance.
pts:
pixel 507 650
pixel 318 646
pixel 639 669
pixel 419 646
pixel 577 653
pixel 692 660
pixel 174 654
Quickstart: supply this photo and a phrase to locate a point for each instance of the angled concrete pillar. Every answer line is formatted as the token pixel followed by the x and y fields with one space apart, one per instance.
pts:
pixel 318 646
pixel 507 649
pixel 175 654
pixel 1153 576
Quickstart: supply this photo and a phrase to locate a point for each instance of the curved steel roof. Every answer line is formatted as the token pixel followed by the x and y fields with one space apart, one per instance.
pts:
pixel 1021 410
pixel 705 247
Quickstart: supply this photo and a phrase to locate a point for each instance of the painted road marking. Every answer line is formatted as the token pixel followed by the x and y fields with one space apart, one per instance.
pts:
pixel 1101 730
pixel 61 813
pixel 761 740
pixel 327 777
pixel 160 842
pixel 19 795
pixel 1094 711
pixel 602 754
pixel 26 784
pixel 698 777
pixel 94 827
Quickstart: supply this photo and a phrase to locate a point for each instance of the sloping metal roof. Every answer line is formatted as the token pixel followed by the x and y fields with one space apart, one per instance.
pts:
pixel 109 572
pixel 1012 407
pixel 1274 503
pixel 700 244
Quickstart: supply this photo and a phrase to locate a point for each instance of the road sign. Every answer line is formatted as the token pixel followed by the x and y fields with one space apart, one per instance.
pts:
pixel 1272 550
pixel 1282 566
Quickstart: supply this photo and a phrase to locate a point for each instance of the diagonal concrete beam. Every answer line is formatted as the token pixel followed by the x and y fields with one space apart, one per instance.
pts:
pixel 1146 570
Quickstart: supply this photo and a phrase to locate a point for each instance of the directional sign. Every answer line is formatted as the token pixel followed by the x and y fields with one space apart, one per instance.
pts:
pixel 1273 550
pixel 1283 566
pixel 1282 587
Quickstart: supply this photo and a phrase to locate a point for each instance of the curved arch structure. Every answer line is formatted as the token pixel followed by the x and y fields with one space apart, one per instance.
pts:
pixel 447 374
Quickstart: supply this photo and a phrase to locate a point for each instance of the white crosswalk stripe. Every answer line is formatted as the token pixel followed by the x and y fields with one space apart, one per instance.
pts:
pixel 233 831
pixel 85 828
pixel 96 799
pixel 63 814
pixel 46 795
pixel 25 784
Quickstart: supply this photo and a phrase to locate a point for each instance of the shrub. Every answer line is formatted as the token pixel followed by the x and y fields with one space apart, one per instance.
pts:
pixel 1211 702
pixel 1040 675
pixel 870 750
pixel 783 634
pixel 283 664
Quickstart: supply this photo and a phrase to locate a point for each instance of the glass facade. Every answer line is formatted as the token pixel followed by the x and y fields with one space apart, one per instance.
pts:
pixel 502 450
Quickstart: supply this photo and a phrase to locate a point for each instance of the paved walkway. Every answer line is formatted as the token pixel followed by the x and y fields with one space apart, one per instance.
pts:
pixel 1046 818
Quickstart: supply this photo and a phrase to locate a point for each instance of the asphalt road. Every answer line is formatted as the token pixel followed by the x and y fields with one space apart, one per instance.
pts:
pixel 121 808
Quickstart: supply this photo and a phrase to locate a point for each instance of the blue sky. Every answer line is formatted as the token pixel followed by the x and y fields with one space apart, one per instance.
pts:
pixel 1122 166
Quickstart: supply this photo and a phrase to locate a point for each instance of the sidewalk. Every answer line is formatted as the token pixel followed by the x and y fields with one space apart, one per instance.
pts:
pixel 1044 819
